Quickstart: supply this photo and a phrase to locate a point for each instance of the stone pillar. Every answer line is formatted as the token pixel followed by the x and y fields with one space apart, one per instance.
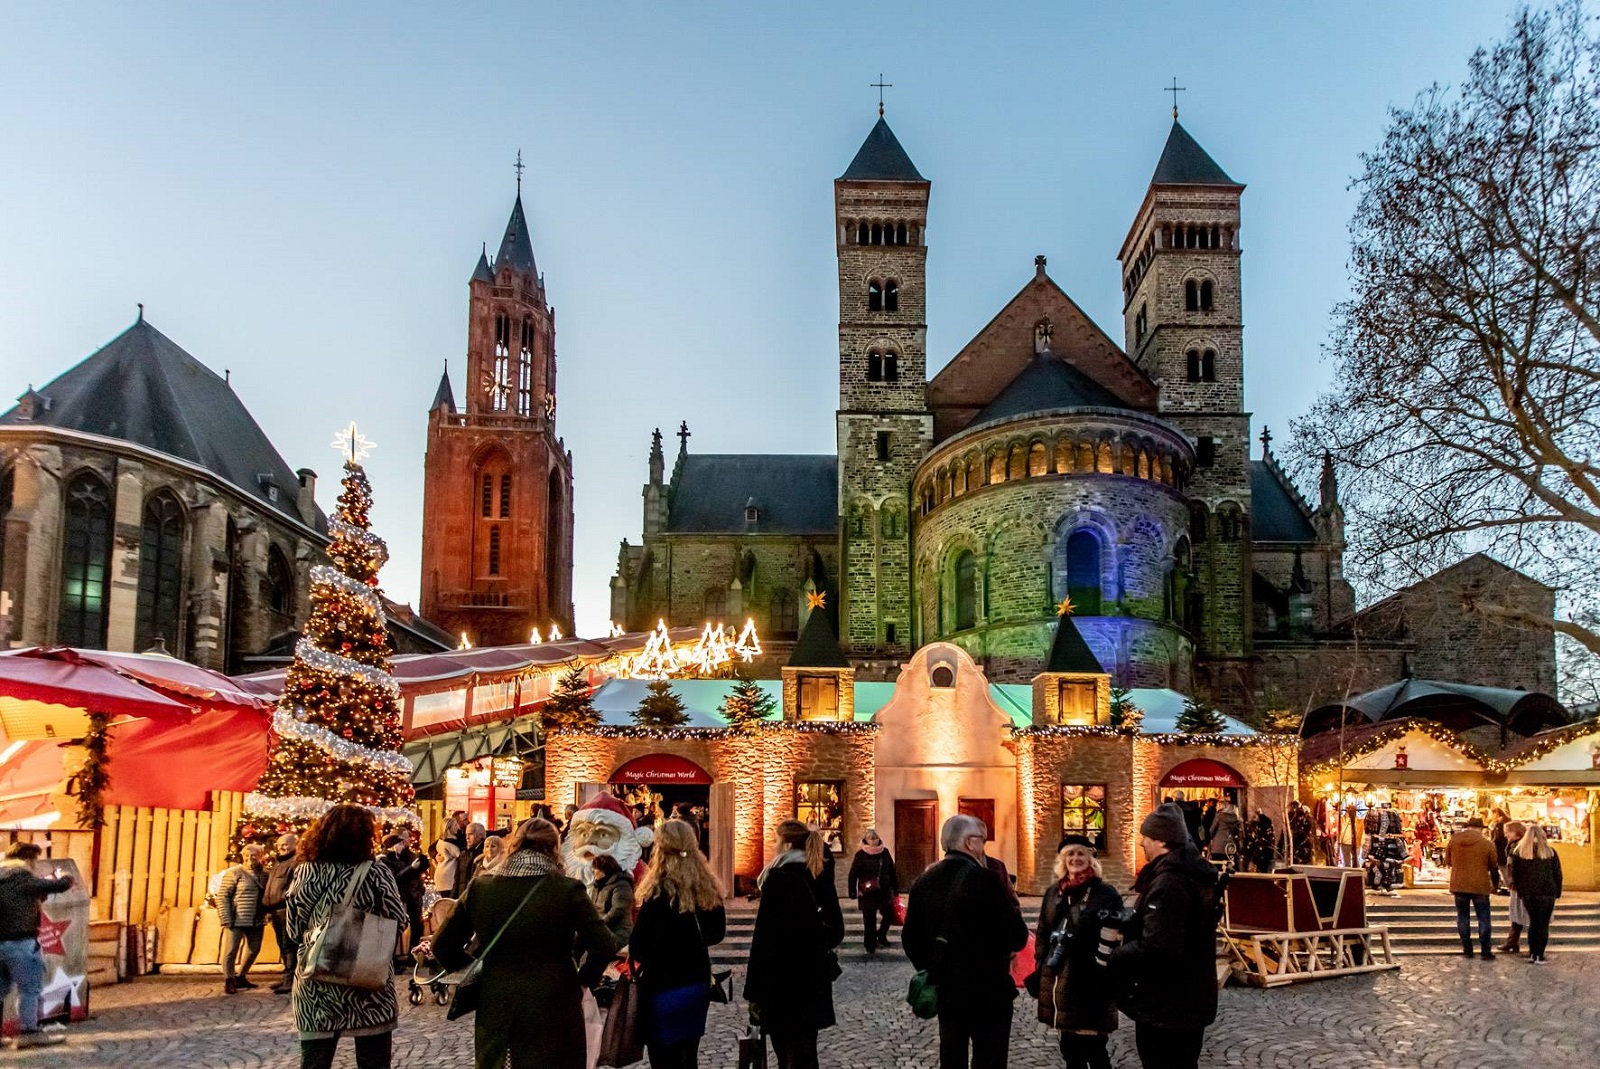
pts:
pixel 33 546
pixel 123 587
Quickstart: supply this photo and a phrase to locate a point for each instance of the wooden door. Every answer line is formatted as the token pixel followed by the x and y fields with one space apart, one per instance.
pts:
pixel 722 834
pixel 916 836
pixel 983 809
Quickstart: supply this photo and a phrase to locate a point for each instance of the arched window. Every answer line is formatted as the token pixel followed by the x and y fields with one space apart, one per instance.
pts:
pixel 874 296
pixel 1103 462
pixel 1038 460
pixel 280 584
pixel 1198 525
pixel 1063 455
pixel 1230 523
pixel 1208 366
pixel 974 472
pixel 874 366
pixel 1083 572
pixel 1193 357
pixel 966 577
pixel 505 495
pixel 85 563
pixel 494 551
pixel 1191 296
pixel 861 234
pixel 1085 456
pixel 891 366
pixel 958 478
pixel 494 506
pixel 1018 468
pixel 1205 296
pixel 997 467
pixel 877 234
pixel 7 489
pixel 891 296
pixel 1144 464
pixel 716 604
pixel 160 602
pixel 783 612
pixel 525 371
pixel 900 234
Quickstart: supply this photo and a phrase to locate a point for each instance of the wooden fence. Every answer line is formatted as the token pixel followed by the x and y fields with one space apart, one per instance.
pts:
pixel 153 858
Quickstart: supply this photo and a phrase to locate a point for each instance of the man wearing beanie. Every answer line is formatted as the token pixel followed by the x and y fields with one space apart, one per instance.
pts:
pixel 1167 965
pixel 407 866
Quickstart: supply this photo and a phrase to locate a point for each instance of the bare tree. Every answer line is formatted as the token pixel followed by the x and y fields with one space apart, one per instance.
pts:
pixel 1465 410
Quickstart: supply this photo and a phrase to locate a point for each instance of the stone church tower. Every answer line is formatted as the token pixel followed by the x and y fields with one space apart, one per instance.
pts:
pixel 1183 323
pixel 497 493
pixel 884 426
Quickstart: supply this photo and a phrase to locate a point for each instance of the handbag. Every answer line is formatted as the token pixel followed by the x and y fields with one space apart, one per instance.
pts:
pixel 467 982
pixel 752 1050
pixel 622 1038
pixel 721 990
pixel 900 910
pixel 350 947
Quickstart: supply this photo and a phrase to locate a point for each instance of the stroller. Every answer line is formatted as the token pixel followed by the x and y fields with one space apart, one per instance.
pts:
pixel 426 972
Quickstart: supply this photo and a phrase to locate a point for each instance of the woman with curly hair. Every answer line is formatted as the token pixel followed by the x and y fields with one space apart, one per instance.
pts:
pixel 338 849
pixel 680 916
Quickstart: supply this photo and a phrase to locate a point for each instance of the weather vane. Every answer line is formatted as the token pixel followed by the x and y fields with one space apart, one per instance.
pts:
pixel 880 85
pixel 1174 89
pixel 352 443
pixel 518 169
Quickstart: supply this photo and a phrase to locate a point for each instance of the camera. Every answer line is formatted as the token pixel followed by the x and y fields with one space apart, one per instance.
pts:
pixel 1115 926
pixel 1056 956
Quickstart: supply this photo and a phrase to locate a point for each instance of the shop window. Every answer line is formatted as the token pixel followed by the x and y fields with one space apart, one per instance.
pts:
pixel 819 697
pixel 983 809
pixel 820 804
pixel 1078 704
pixel 1083 812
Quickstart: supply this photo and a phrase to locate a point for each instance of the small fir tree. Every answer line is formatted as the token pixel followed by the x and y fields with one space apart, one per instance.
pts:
pixel 571 705
pixel 336 734
pixel 1198 718
pixel 746 705
pixel 661 708
pixel 1125 715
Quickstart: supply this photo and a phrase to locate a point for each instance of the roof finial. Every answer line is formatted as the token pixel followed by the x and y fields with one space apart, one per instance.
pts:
pixel 683 437
pixel 880 85
pixel 519 175
pixel 1174 89
pixel 141 311
pixel 1266 441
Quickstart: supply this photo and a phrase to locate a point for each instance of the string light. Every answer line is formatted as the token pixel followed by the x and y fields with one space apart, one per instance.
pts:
pixel 534 638
pixel 616 630
pixel 286 723
pixel 748 647
pixel 555 633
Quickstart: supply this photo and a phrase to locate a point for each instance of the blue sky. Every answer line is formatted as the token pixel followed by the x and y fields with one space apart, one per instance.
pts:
pixel 298 192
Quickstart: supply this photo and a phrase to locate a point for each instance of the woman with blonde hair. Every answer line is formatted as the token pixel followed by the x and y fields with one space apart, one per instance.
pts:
pixel 1536 875
pixel 680 917
pixel 1073 997
pixel 494 855
pixel 789 982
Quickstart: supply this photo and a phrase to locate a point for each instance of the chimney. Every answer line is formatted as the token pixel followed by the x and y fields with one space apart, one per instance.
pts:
pixel 307 502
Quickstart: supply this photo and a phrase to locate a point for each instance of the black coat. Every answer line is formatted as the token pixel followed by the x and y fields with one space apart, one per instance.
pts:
pixel 669 947
pixel 407 868
pixel 962 926
pixel 1166 969
pixel 792 965
pixel 1536 877
pixel 877 867
pixel 1078 997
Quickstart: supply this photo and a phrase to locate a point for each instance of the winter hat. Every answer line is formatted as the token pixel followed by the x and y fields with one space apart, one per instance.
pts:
pixel 393 839
pixel 1075 840
pixel 606 802
pixel 1166 825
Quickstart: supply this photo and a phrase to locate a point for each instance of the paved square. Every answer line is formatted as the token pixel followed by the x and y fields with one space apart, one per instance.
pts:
pixel 1436 1011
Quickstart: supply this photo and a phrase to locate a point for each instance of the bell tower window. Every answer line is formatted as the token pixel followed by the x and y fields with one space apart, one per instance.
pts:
pixel 891 367
pixel 525 371
pixel 874 366
pixel 891 296
pixel 874 296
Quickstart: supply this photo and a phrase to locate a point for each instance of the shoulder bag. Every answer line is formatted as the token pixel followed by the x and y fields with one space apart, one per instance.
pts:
pixel 466 983
pixel 721 982
pixel 923 993
pixel 350 947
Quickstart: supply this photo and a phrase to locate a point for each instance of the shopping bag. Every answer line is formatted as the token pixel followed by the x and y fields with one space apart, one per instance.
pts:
pixel 752 1050
pixel 923 997
pixel 351 946
pixel 1022 965
pixel 900 910
pixel 594 1023
pixel 622 1038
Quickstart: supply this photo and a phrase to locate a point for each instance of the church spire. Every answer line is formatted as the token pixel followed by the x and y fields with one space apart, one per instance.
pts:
pixel 444 397
pixel 516 247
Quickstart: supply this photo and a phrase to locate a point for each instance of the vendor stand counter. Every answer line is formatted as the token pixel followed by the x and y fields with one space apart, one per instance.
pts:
pixel 1302 923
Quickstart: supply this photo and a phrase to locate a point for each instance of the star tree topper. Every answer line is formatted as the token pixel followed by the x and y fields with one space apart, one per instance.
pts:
pixel 816 599
pixel 352 444
pixel 1066 607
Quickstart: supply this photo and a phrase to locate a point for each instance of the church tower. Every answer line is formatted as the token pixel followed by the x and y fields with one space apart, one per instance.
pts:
pixel 1183 321
pixel 497 493
pixel 884 427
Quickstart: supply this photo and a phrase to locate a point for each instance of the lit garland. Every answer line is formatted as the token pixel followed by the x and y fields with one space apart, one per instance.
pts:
pixel 1239 742
pixel 1095 731
pixel 376 546
pixel 1399 730
pixel 307 651
pixel 304 810
pixel 286 723
pixel 362 592
pixel 1549 744
pixel 800 727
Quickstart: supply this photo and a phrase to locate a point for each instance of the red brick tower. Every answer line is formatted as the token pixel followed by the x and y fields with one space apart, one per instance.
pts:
pixel 497 495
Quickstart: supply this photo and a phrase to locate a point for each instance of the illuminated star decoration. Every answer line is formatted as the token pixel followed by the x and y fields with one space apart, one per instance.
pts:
pixel 816 599
pixel 352 444
pixel 1066 608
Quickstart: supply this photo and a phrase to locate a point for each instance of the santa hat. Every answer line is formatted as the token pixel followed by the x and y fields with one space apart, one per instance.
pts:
pixel 606 802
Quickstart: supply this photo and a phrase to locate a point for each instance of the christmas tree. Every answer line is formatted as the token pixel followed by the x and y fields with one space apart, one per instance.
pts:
pixel 336 732
pixel 746 705
pixel 571 706
pixel 1125 715
pixel 1198 718
pixel 661 708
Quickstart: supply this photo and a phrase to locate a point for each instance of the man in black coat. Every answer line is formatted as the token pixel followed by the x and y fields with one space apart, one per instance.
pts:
pixel 962 926
pixel 1167 967
pixel 407 866
pixel 279 877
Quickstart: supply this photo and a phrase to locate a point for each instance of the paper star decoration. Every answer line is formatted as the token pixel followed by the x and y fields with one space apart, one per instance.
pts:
pixel 353 444
pixel 1066 607
pixel 50 933
pixel 817 599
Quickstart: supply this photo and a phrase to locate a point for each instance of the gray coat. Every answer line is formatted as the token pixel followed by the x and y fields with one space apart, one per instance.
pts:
pixel 239 897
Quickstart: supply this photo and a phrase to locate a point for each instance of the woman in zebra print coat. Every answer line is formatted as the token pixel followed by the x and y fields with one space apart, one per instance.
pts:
pixel 333 847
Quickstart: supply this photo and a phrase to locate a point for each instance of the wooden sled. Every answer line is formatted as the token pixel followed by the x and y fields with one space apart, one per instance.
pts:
pixel 1301 924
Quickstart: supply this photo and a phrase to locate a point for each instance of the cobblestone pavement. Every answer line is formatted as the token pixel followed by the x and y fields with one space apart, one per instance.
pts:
pixel 1448 1012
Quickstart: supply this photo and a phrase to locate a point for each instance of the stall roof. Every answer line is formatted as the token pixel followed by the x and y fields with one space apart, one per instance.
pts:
pixel 1457 706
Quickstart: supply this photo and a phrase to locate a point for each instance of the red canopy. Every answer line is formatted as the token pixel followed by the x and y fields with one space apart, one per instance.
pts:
pixel 124 684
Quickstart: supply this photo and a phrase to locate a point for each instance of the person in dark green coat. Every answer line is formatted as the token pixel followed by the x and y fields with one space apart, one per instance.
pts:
pixel 530 1007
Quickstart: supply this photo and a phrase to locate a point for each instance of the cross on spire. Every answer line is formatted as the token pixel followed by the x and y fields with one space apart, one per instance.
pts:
pixel 683 436
pixel 880 85
pixel 1174 89
pixel 518 169
pixel 1266 440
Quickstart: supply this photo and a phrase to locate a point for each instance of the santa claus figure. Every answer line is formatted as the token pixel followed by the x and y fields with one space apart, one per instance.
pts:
pixel 603 826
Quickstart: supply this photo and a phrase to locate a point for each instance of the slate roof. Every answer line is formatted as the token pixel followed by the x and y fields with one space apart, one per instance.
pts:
pixel 1275 515
pixel 881 159
pixel 1047 382
pixel 1069 652
pixel 142 388
pixel 516 247
pixel 796 494
pixel 1184 163
pixel 818 646
pixel 481 273
pixel 444 395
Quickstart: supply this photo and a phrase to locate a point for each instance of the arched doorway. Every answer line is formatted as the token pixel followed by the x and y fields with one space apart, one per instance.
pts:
pixel 661 784
pixel 1202 779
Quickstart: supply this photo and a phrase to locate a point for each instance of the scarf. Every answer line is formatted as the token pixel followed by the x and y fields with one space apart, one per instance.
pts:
pixel 530 863
pixel 1070 882
pixel 782 859
pixel 873 851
